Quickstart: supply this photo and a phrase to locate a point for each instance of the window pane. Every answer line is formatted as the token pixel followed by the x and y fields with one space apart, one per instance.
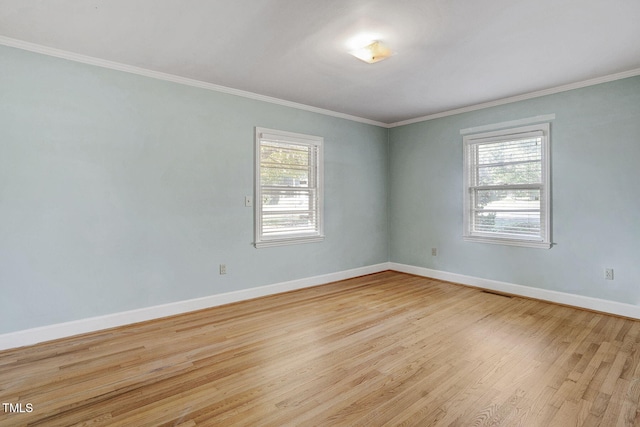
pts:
pixel 287 200
pixel 518 173
pixel 514 212
pixel 518 224
pixel 509 162
pixel 285 165
pixel 283 176
pixel 509 151
pixel 293 223
pixel 512 199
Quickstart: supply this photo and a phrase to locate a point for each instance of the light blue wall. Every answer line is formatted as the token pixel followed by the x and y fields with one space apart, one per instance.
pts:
pixel 595 149
pixel 119 192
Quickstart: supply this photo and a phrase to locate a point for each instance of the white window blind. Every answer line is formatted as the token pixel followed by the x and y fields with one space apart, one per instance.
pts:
pixel 507 197
pixel 288 188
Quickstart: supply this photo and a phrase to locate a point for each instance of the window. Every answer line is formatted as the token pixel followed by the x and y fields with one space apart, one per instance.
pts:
pixel 507 187
pixel 288 206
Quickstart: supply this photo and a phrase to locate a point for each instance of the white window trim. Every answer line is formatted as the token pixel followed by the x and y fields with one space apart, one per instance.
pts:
pixel 545 240
pixel 292 238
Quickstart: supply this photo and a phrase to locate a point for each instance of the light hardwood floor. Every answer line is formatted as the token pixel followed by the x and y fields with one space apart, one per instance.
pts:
pixel 385 349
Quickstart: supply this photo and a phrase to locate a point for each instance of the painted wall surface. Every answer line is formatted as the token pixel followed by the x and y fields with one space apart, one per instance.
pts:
pixel 595 155
pixel 120 192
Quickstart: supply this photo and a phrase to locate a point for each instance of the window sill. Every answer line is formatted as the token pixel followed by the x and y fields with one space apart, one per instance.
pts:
pixel 289 241
pixel 509 242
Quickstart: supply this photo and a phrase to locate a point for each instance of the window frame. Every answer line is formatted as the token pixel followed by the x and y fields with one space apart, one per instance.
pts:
pixel 543 240
pixel 289 238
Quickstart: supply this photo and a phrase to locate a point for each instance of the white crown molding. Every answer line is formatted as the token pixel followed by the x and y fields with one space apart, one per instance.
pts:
pixel 589 303
pixel 93 324
pixel 523 97
pixel 59 53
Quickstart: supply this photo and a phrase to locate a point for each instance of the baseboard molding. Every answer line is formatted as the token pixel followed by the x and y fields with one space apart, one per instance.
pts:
pixel 93 324
pixel 579 301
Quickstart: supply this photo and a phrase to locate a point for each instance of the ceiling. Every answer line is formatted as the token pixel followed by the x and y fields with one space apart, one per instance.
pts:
pixel 448 54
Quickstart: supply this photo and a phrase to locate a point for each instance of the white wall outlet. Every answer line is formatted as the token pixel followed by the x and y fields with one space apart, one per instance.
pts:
pixel 248 201
pixel 434 251
pixel 608 273
pixel 223 269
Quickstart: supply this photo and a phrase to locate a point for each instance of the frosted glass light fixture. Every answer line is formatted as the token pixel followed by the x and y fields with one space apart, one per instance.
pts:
pixel 373 52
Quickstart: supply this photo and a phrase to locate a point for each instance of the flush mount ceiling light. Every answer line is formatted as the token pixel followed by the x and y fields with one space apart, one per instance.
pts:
pixel 373 52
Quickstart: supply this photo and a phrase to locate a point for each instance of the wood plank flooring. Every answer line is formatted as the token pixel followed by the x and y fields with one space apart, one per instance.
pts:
pixel 385 349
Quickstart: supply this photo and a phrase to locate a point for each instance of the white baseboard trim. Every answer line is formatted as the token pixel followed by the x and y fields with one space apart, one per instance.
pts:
pixel 76 327
pixel 93 324
pixel 579 301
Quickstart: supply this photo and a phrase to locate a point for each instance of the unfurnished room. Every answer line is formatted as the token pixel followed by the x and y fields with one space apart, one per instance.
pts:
pixel 320 213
